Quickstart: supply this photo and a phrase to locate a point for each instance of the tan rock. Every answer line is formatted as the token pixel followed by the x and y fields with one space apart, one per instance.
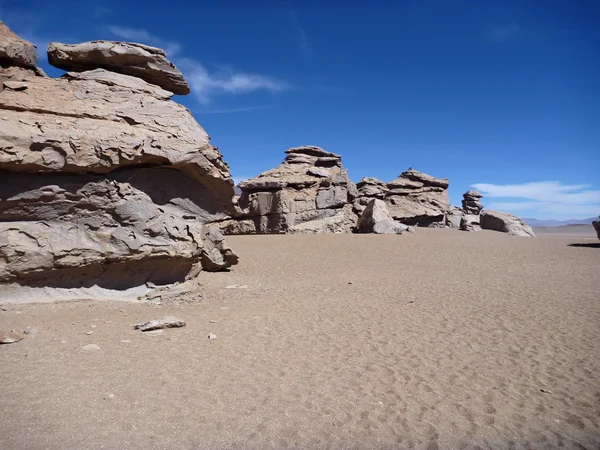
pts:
pixel 506 223
pixel 142 61
pixel 15 51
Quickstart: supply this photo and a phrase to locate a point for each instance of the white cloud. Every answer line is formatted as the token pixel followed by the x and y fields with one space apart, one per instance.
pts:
pixel 204 84
pixel 142 36
pixel 543 199
pixel 504 33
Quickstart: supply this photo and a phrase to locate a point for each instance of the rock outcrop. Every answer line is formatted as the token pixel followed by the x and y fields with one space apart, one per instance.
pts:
pixel 309 193
pixel 369 188
pixel 107 188
pixel 138 60
pixel 506 223
pixel 471 203
pixel 470 222
pixel 377 219
pixel 596 224
pixel 415 198
pixel 15 51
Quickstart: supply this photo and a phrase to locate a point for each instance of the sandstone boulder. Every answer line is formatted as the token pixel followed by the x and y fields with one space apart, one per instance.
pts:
pixel 148 63
pixel 471 202
pixel 454 217
pixel 107 188
pixel 415 198
pixel 506 223
pixel 15 51
pixel 309 193
pixel 596 224
pixel 368 188
pixel 377 219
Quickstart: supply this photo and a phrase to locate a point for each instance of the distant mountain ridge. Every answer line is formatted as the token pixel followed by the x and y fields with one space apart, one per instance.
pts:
pixel 558 223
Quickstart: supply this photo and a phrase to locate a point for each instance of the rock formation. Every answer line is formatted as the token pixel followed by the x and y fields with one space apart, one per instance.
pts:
pixel 377 219
pixel 506 223
pixel 148 63
pixel 107 186
pixel 470 222
pixel 471 203
pixel 596 224
pixel 15 51
pixel 368 189
pixel 309 193
pixel 415 198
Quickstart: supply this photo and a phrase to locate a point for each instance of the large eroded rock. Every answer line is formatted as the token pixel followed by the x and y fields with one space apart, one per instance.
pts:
pixel 415 198
pixel 107 188
pixel 506 223
pixel 377 219
pixel 15 51
pixel 309 193
pixel 142 61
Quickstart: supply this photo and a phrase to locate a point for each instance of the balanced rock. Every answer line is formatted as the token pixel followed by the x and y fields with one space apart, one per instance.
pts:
pixel 15 51
pixel 471 202
pixel 596 224
pixel 376 219
pixel 106 188
pixel 506 223
pixel 309 193
pixel 148 63
pixel 415 198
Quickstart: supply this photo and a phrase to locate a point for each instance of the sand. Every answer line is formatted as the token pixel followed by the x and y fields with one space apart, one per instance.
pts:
pixel 441 339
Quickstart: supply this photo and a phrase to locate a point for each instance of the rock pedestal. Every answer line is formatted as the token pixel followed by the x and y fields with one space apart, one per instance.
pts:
pixel 471 203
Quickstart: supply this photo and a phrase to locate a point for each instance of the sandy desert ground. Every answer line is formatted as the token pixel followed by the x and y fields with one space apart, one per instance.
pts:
pixel 441 339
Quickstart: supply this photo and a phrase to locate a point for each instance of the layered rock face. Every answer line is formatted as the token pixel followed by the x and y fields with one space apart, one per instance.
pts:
pixel 309 193
pixel 107 187
pixel 369 188
pixel 596 224
pixel 415 198
pixel 506 223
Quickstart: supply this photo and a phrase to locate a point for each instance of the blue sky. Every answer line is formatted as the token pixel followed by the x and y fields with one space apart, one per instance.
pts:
pixel 500 95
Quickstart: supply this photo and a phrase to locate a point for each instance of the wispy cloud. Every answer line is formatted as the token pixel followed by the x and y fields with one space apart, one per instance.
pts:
pixel 142 36
pixel 543 199
pixel 204 84
pixel 504 33
pixel 300 33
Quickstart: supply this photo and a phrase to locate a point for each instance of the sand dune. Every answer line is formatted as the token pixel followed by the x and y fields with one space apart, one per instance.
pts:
pixel 441 339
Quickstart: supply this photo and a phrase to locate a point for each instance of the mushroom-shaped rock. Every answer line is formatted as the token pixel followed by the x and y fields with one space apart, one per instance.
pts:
pixel 506 223
pixel 138 60
pixel 15 51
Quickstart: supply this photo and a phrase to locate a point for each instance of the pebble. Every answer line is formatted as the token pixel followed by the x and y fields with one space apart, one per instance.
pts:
pixel 154 332
pixel 212 321
pixel 90 348
pixel 89 332
pixel 125 341
pixel 212 336
pixel 31 330
pixel 9 337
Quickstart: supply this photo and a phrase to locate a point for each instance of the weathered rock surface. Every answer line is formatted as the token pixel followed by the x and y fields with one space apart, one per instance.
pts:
pixel 377 219
pixel 309 193
pixel 415 198
pixel 158 324
pixel 471 202
pixel 15 51
pixel 596 224
pixel 368 188
pixel 106 187
pixel 454 217
pixel 506 223
pixel 148 63
pixel 470 222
